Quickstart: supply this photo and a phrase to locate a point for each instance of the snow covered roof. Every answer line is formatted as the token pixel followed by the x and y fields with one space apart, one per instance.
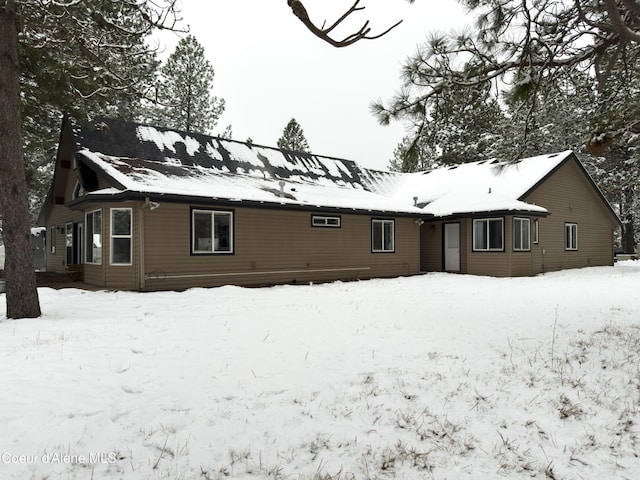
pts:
pixel 157 161
pixel 153 160
pixel 483 186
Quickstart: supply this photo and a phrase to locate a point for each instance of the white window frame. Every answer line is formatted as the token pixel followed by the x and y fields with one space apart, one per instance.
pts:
pixel 89 230
pixel 525 236
pixel 536 232
pixel 488 248
pixel 387 228
pixel 323 221
pixel 116 236
pixel 52 239
pixel 570 236
pixel 213 250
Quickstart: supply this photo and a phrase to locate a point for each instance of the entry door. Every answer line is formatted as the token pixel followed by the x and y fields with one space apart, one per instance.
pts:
pixel 452 247
pixel 73 242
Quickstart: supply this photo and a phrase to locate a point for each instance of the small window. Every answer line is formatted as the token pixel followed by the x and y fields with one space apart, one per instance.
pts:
pixel 488 235
pixel 571 236
pixel 93 236
pixel 52 239
pixel 78 190
pixel 521 236
pixel 382 236
pixel 121 237
pixel 536 231
pixel 211 232
pixel 325 222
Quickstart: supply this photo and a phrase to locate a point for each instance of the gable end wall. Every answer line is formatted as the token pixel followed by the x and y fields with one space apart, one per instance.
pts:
pixel 570 197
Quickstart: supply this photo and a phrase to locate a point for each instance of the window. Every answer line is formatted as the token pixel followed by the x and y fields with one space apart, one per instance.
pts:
pixel 488 235
pixel 211 231
pixel 121 236
pixel 320 221
pixel 94 237
pixel 382 236
pixel 536 231
pixel 521 237
pixel 571 236
pixel 52 239
pixel 78 190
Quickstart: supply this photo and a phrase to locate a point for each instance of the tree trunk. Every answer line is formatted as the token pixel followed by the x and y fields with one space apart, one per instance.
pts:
pixel 22 293
pixel 628 224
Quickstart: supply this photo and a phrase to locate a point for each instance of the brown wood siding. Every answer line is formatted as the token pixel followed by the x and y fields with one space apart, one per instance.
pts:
pixel 59 217
pixel 431 247
pixel 495 264
pixel 103 274
pixel 59 214
pixel 267 242
pixel 124 277
pixel 570 197
pixel 465 245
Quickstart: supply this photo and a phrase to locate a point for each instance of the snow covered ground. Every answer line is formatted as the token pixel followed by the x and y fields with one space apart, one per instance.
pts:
pixel 437 377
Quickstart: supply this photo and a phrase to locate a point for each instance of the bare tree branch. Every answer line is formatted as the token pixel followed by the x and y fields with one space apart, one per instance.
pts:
pixel 619 24
pixel 323 33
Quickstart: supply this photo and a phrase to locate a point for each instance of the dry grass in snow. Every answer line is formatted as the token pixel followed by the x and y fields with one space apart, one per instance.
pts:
pixel 431 377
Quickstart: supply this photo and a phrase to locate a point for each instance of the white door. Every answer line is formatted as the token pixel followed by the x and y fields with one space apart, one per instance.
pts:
pixel 452 247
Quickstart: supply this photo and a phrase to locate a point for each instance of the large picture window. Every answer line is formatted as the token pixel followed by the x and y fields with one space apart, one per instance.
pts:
pixel 488 235
pixel 382 236
pixel 211 231
pixel 521 234
pixel 94 237
pixel 571 236
pixel 121 237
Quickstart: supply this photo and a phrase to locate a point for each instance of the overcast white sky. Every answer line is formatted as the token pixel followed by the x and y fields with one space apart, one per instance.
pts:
pixel 269 68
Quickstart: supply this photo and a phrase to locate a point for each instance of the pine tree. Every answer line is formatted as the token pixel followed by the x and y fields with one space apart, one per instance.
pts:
pixel 227 133
pixel 105 72
pixel 413 155
pixel 549 120
pixel 524 48
pixel 84 49
pixel 184 94
pixel 615 157
pixel 293 138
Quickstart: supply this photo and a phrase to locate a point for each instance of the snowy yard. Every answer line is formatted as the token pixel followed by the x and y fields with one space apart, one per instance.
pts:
pixel 436 377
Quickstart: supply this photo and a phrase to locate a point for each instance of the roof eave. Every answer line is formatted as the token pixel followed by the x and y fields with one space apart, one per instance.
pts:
pixel 492 213
pixel 128 195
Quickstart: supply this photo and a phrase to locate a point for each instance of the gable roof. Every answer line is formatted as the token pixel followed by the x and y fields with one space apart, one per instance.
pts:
pixel 143 161
pixel 158 161
pixel 483 186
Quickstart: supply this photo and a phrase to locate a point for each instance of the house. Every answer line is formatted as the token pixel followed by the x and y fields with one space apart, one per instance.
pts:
pixel 144 208
pixel 536 215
